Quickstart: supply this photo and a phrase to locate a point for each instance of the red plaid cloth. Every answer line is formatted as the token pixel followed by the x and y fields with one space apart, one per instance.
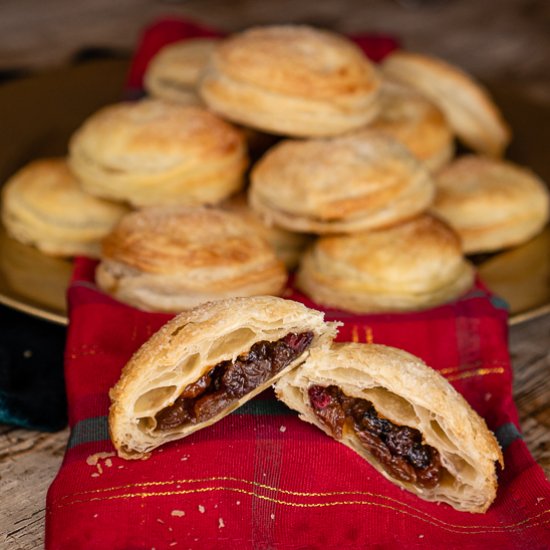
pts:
pixel 263 479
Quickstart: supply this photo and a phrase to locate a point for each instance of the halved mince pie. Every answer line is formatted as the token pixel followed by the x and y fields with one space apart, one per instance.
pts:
pixel 402 417
pixel 207 362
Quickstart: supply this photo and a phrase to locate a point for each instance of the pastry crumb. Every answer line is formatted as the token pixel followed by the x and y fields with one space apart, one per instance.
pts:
pixel 93 460
pixel 221 524
pixel 159 520
pixel 420 536
pixel 272 516
pixel 202 509
pixel 95 474
pixel 108 462
pixel 177 513
pixel 282 429
pixel 238 502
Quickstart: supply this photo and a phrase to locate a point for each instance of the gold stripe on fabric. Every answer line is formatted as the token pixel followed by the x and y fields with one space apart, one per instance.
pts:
pixel 478 372
pixel 473 365
pixel 466 530
pixel 286 492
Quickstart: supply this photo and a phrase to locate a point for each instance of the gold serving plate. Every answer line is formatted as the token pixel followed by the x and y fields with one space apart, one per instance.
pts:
pixel 39 113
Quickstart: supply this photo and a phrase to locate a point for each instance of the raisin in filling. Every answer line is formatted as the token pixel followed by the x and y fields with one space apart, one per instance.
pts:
pixel 228 381
pixel 398 448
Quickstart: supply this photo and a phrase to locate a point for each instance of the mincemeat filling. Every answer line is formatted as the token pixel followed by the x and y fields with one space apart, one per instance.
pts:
pixel 398 448
pixel 228 381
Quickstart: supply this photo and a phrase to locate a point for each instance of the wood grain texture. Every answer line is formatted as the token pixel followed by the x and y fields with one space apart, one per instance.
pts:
pixel 507 40
pixel 28 463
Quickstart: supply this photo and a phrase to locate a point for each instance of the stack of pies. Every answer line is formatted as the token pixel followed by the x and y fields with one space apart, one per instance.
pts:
pixel 357 190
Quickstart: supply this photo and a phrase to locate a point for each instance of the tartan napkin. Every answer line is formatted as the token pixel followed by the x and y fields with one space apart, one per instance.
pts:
pixel 261 478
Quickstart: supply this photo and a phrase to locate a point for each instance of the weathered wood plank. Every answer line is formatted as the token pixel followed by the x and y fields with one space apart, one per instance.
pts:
pixel 511 39
pixel 28 463
pixel 530 353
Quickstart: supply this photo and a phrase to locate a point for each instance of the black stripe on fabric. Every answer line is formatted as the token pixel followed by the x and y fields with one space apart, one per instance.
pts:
pixel 96 428
pixel 506 434
pixel 89 430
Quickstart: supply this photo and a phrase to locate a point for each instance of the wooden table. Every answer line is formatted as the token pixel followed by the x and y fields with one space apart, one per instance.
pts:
pixel 36 34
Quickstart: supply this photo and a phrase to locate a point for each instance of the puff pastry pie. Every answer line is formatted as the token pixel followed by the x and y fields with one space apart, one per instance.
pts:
pixel 416 123
pixel 411 266
pixel 340 185
pixel 291 80
pixel 175 258
pixel 469 109
pixel 491 204
pixel 173 73
pixel 152 152
pixel 44 206
pixel 402 417
pixel 207 362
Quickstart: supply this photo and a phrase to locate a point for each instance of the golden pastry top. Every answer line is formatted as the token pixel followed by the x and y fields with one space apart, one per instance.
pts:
pixel 47 187
pixel 152 136
pixel 168 240
pixel 181 62
pixel 296 60
pixel 466 103
pixel 331 179
pixel 416 256
pixel 476 191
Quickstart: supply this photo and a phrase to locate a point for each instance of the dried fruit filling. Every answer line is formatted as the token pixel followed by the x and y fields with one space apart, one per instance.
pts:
pixel 398 448
pixel 228 381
